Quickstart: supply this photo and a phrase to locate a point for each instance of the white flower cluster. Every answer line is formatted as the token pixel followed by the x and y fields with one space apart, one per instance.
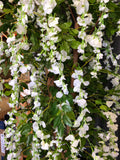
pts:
pixel 41 12
pixel 82 6
pixel 78 80
pixel 1 5
pixel 73 145
pixel 118 32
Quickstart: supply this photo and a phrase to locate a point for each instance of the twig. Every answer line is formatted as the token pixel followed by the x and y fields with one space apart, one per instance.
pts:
pixel 5 80
pixel 95 24
pixel 72 14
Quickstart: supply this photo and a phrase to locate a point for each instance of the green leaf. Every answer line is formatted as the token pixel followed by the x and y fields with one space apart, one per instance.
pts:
pixel 35 41
pixel 61 129
pixel 29 139
pixel 67 120
pixel 27 152
pixel 65 46
pixel 92 1
pixel 104 108
pixel 8 93
pixel 26 129
pixel 53 108
pixel 71 115
pixel 53 90
pixel 67 108
pixel 59 1
pixel 57 121
pixel 74 44
pixel 73 31
pixel 69 38
pixel 7 86
pixel 99 101
pixel 66 25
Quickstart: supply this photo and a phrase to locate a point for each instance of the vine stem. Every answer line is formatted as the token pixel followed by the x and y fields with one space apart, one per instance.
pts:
pixel 92 30
pixel 72 14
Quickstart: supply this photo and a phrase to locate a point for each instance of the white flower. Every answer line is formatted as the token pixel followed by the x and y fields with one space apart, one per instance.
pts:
pixel 56 68
pixel 115 81
pixel 86 83
pixel 39 134
pixel 23 69
pixel 88 119
pixel 59 83
pixel 65 90
pixel 77 74
pixel 70 138
pixel 75 143
pixel 37 104
pixel 82 130
pixel 11 105
pixel 63 56
pixel 77 121
pixel 76 84
pixel 42 123
pixel 109 103
pixel 13 82
pixel 10 1
pixel 52 21
pixel 81 102
pixel 25 92
pixel 1 5
pixel 94 74
pixel 106 1
pixel 21 29
pixel 118 57
pixel 54 142
pixel 10 39
pixel 34 94
pixel 48 6
pixel 82 34
pixel 59 94
pixel 31 84
pixel 94 41
pixel 82 6
pixel 35 126
pixel 74 150
pixel 44 146
pixel 100 56
pixel 84 21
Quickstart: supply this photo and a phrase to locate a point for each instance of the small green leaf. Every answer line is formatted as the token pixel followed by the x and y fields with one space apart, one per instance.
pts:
pixel 65 25
pixel 53 109
pixel 74 44
pixel 71 115
pixel 25 129
pixel 98 101
pixel 67 120
pixel 67 108
pixel 8 93
pixel 104 108
pixel 61 129
pixel 57 121
pixel 69 38
pixel 73 31
pixel 7 86
pixel 29 139
pixel 59 1
pixel 65 46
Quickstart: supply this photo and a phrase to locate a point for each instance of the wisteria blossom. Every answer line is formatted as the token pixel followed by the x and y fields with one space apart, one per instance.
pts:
pixel 60 73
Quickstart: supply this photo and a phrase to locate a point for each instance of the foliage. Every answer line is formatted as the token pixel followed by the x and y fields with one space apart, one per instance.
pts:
pixel 65 46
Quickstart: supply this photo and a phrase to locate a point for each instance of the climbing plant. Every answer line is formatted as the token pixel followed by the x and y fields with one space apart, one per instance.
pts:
pixel 65 46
